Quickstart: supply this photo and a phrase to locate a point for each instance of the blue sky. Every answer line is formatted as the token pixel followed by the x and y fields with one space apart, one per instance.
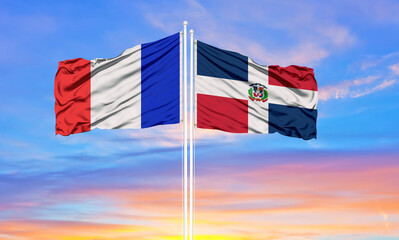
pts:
pixel 68 182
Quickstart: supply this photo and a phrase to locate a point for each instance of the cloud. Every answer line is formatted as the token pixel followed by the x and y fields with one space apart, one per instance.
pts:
pixel 50 230
pixel 378 62
pixel 350 88
pixel 381 86
pixel 171 136
pixel 386 222
pixel 301 194
pixel 306 40
pixel 395 69
pixel 363 86
pixel 312 198
pixel 381 73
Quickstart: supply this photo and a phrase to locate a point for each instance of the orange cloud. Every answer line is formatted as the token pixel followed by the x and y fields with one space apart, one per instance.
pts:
pixel 67 230
pixel 296 200
pixel 281 201
pixel 285 201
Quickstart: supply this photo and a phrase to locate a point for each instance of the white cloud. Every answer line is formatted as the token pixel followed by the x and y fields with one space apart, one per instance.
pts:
pixel 255 29
pixel 367 91
pixel 172 136
pixel 354 88
pixel 382 73
pixel 343 89
pixel 386 221
pixel 395 69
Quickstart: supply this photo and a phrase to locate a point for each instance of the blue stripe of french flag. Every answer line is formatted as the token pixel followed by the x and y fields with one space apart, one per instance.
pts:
pixel 235 94
pixel 138 89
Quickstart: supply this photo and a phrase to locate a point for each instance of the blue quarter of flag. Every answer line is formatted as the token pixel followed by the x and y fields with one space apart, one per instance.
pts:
pixel 292 121
pixel 219 63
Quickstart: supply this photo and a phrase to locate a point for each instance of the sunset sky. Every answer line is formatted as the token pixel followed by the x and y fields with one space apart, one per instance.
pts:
pixel 127 184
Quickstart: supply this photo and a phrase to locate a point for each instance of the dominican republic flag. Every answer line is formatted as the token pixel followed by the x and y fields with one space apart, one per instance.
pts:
pixel 234 94
pixel 138 89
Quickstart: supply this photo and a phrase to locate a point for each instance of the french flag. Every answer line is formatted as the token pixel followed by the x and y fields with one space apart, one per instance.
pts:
pixel 138 89
pixel 234 94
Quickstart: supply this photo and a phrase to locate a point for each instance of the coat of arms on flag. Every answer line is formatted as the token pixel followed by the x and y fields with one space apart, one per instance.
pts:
pixel 257 92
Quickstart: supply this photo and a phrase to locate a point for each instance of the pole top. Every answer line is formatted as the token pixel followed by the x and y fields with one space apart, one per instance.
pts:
pixel 191 31
pixel 185 23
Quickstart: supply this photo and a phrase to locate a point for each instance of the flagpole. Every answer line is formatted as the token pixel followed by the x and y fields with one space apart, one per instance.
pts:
pixel 191 136
pixel 185 23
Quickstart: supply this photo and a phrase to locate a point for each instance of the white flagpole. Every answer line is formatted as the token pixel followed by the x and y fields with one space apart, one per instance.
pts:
pixel 191 135
pixel 185 129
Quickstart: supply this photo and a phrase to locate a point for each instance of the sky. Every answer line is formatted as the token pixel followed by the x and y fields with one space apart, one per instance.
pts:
pixel 127 184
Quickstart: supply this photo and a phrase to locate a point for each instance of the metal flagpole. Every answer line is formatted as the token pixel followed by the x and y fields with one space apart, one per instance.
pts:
pixel 185 129
pixel 191 135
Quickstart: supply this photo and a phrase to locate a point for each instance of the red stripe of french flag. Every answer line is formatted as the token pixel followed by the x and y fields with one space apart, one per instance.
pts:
pixel 72 94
